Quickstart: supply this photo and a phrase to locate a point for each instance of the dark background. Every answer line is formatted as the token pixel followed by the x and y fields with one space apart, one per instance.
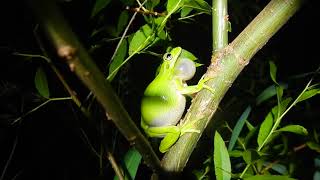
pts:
pixel 49 143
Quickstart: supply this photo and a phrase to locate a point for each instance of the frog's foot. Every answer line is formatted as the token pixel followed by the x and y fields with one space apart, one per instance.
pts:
pixel 168 141
pixel 189 128
pixel 202 82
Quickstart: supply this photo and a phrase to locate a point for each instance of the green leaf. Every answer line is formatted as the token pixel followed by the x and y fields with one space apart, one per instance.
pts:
pixel 250 156
pixel 279 93
pixel 132 160
pixel 308 94
pixel 235 153
pixel 268 177
pixel 272 120
pixel 201 174
pixel 222 165
pixel 313 146
pixel 158 21
pixel 143 37
pixel 112 30
pixel 151 4
pixel 185 11
pixel 174 5
pixel 198 5
pixel 250 135
pixel 128 2
pixel 297 129
pixel 273 71
pixel 317 162
pixel 238 127
pixel 249 126
pixel 316 175
pixel 118 59
pixel 265 128
pixel 281 169
pixel 98 6
pixel 158 24
pixel 283 106
pixel 123 21
pixel 268 93
pixel 188 55
pixel 41 83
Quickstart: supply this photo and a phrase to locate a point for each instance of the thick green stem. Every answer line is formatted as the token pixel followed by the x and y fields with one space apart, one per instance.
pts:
pixel 225 67
pixel 219 24
pixel 70 50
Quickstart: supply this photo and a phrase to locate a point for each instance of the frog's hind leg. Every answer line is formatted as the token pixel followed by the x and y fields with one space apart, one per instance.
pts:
pixel 170 133
pixel 168 141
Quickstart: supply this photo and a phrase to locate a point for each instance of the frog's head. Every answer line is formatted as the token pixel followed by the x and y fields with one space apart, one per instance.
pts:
pixel 170 59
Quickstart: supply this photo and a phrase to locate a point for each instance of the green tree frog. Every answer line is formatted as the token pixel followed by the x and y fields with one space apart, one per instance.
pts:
pixel 164 101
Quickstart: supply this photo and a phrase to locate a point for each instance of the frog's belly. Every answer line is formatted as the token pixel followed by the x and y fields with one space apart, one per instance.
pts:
pixel 169 114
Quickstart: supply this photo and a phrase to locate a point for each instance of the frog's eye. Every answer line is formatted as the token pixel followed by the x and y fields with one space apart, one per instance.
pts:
pixel 168 56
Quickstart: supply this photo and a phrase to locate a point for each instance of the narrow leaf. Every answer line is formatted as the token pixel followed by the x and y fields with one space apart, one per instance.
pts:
pixel 250 135
pixel 249 126
pixel 151 4
pixel 222 163
pixel 141 39
pixel 132 160
pixel 185 11
pixel 238 127
pixel 317 162
pixel 268 177
pixel 128 2
pixel 235 153
pixel 265 128
pixel 98 6
pixel 297 129
pixel 268 93
pixel 283 105
pixel 308 94
pixel 123 21
pixel 118 59
pixel 198 5
pixel 313 146
pixel 188 55
pixel 158 24
pixel 281 169
pixel 174 5
pixel 41 83
pixel 316 175
pixel 271 120
pixel 279 93
pixel 273 71
pixel 250 156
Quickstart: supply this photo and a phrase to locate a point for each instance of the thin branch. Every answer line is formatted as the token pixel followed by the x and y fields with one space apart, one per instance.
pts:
pixel 219 24
pixel 39 106
pixel 117 169
pixel 125 32
pixel 10 158
pixel 71 51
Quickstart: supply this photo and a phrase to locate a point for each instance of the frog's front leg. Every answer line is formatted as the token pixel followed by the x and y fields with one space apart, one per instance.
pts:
pixel 195 88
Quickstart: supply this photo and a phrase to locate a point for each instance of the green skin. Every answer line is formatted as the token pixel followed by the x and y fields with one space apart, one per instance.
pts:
pixel 164 99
